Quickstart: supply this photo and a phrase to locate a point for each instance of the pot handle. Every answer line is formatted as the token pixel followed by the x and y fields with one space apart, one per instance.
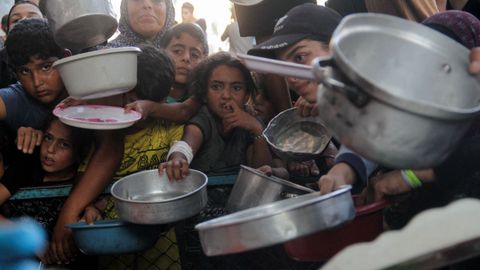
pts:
pixel 322 69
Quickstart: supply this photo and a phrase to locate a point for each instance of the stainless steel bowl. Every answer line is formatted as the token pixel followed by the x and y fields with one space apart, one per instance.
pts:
pixel 80 24
pixel 147 198
pixel 253 188
pixel 293 137
pixel 276 222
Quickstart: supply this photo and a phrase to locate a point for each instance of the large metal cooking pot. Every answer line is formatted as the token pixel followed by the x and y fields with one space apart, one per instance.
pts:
pixel 253 188
pixel 147 198
pixel 394 91
pixel 80 24
pixel 411 99
pixel 276 222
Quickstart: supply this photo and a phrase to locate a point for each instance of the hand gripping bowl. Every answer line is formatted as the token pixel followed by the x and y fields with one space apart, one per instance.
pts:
pixel 147 198
pixel 101 73
pixel 293 137
pixel 113 237
pixel 276 222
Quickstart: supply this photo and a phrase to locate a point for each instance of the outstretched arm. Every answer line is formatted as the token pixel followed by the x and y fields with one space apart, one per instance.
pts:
pixel 99 172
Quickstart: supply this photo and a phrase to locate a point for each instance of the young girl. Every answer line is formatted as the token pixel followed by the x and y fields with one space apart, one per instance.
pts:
pixel 222 135
pixel 54 163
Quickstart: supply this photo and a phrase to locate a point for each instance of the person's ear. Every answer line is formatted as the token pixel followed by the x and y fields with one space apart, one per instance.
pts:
pixel 67 53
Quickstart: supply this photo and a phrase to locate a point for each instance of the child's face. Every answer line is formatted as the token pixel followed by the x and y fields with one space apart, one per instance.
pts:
pixel 147 17
pixel 21 12
pixel 303 52
pixel 187 52
pixel 41 80
pixel 187 15
pixel 57 150
pixel 226 85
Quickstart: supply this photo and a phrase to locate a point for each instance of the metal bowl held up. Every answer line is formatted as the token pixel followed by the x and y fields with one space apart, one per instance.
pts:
pixel 404 100
pixel 276 222
pixel 293 137
pixel 80 24
pixel 147 198
pixel 113 237
pixel 253 188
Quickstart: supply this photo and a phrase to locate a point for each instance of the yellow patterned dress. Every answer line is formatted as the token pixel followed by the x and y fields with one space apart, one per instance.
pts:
pixel 144 150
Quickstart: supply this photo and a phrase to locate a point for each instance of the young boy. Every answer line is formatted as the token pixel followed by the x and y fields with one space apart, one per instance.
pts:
pixel 187 45
pixel 32 51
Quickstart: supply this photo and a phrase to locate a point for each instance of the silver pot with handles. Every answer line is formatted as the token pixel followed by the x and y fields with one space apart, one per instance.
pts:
pixel 80 24
pixel 396 91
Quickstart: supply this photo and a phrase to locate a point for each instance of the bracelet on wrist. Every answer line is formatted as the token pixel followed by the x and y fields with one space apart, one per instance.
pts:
pixel 411 179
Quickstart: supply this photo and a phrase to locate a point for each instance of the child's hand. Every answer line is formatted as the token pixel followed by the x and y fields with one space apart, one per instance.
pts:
pixel 28 138
pixel 240 118
pixel 91 214
pixel 144 107
pixel 176 168
pixel 305 108
pixel 62 248
pixel 305 168
pixel 69 102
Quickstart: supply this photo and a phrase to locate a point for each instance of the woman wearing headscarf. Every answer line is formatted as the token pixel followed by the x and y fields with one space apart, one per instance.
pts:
pixel 144 21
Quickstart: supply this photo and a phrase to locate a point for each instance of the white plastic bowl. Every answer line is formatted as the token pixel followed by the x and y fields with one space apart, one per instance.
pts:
pixel 99 73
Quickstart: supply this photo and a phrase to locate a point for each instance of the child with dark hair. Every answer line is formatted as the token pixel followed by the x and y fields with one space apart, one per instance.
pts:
pixel 153 83
pixel 19 11
pixel 145 145
pixel 54 162
pixel 187 45
pixel 32 51
pixel 222 135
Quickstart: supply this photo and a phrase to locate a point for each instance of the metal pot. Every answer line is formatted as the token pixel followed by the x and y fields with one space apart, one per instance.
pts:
pixel 253 188
pixel 276 222
pixel 80 24
pixel 394 91
pixel 404 100
pixel 147 198
pixel 297 138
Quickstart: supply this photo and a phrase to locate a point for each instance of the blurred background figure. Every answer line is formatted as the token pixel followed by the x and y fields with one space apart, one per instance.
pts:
pixel 188 17
pixel 237 43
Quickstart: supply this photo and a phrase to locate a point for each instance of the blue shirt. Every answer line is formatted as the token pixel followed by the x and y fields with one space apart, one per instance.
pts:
pixel 22 110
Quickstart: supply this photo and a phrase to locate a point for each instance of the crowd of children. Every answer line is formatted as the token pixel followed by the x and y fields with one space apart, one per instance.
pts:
pixel 199 110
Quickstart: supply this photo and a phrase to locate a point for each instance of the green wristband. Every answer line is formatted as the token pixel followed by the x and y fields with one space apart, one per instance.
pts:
pixel 411 179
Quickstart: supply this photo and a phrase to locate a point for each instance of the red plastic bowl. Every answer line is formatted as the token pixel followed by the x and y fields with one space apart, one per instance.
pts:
pixel 366 226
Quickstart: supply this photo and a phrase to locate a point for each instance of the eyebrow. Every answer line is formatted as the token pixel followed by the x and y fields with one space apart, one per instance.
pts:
pixel 290 54
pixel 19 15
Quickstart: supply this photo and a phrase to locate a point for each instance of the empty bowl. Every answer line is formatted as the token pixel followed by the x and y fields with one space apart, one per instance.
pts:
pixel 101 73
pixel 114 237
pixel 293 137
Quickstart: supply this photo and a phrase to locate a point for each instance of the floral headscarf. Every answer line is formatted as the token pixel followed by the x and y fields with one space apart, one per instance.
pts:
pixel 128 37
